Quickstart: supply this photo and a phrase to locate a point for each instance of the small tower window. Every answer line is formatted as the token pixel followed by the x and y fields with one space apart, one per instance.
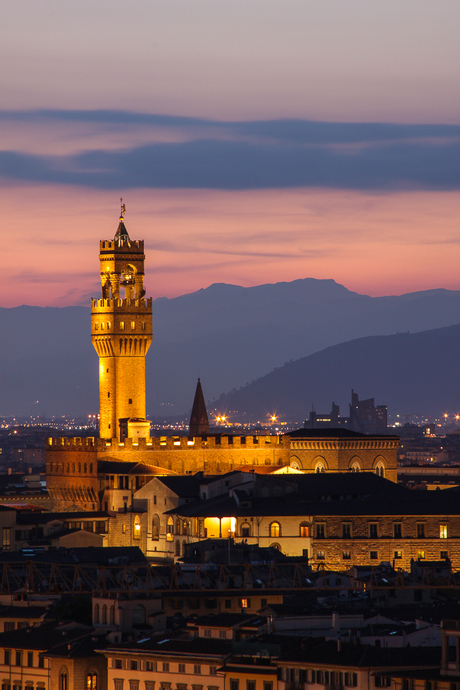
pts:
pixel 108 394
pixel 96 326
pixel 130 401
pixel 108 325
pixel 102 326
pixel 133 325
pixel 143 325
pixel 122 325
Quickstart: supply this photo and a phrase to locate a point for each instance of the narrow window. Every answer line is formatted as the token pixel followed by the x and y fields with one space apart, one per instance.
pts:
pixel 373 530
pixel 443 531
pixel 320 530
pixel 420 530
pixel 122 325
pixel 346 530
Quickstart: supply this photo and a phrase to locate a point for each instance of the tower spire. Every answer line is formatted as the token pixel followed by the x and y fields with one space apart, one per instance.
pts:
pixel 199 423
pixel 121 234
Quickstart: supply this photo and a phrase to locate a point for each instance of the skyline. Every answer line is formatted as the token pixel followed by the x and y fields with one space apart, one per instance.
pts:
pixel 249 144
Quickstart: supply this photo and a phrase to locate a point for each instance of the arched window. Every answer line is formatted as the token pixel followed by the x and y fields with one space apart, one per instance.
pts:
pixel 276 546
pixel 380 469
pixel 245 530
pixel 91 681
pixel 73 468
pixel 170 529
pixel 63 679
pixel 104 614
pixel 320 466
pixel 177 526
pixel 177 552
pixel 79 468
pixel 275 529
pixel 91 468
pixel 304 529
pixel 137 527
pixel 156 527
pixel 96 613
pixel 85 468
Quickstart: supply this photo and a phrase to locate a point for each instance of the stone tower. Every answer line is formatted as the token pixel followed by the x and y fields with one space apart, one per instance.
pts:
pixel 121 332
pixel 199 423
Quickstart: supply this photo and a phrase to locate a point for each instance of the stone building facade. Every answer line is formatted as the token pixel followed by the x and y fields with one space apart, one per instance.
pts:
pixel 75 467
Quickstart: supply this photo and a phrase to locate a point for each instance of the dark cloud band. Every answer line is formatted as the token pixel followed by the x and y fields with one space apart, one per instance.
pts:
pixel 250 155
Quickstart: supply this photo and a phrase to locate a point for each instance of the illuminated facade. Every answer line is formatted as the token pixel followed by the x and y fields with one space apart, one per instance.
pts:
pixel 121 332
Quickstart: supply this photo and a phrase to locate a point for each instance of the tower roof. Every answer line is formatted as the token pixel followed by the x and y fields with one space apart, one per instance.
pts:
pixel 199 423
pixel 121 234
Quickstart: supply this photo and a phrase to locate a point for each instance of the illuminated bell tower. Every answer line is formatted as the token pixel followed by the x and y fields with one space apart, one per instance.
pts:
pixel 121 332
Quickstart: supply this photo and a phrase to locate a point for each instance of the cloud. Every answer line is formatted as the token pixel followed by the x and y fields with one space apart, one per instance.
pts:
pixel 249 155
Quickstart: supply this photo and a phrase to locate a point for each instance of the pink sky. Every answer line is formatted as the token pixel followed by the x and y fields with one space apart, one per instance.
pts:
pixel 376 244
pixel 357 61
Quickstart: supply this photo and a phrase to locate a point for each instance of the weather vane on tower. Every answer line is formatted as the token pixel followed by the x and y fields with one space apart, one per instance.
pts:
pixel 123 208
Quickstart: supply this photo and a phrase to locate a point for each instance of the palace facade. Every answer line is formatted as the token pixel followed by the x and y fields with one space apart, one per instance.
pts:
pixel 78 469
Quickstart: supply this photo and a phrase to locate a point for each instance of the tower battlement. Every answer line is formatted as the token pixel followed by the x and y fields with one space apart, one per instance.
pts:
pixel 116 245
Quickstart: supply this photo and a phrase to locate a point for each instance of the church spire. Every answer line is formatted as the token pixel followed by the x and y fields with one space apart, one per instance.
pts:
pixel 199 424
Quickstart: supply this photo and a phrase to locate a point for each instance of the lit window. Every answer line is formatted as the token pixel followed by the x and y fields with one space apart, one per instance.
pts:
pixel 398 555
pixel 102 326
pixel 244 603
pixel 122 325
pixel 320 556
pixel 133 325
pixel 96 326
pixel 91 681
pixel 346 555
pixel 421 555
pixel 304 529
pixel 443 531
pixel 108 325
pixel 275 529
pixel 6 541
pixel 137 528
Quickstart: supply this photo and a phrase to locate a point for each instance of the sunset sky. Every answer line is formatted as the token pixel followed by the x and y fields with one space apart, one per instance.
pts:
pixel 253 141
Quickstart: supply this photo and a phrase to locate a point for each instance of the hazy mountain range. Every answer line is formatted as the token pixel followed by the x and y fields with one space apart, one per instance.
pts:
pixel 230 336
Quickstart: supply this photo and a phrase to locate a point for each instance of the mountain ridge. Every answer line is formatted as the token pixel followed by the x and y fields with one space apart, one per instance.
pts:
pixel 226 334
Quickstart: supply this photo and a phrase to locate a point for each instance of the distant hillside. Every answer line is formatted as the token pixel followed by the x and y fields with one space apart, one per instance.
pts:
pixel 410 372
pixel 226 334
